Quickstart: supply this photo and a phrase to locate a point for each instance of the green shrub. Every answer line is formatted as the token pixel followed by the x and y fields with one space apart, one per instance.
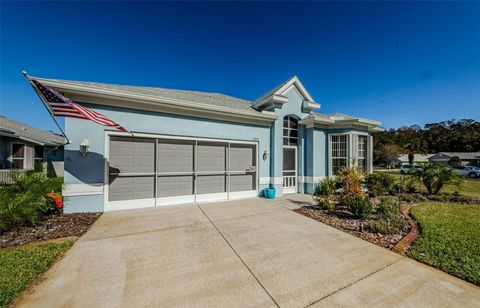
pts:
pixel 380 183
pixel 407 183
pixel 414 197
pixel 454 197
pixel 25 201
pixel 389 219
pixel 359 206
pixel 324 193
pixel 455 161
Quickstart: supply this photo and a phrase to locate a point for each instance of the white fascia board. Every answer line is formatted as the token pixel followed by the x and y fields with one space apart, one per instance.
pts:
pixel 148 99
pixel 275 101
pixel 30 140
pixel 298 84
pixel 310 106
pixel 360 121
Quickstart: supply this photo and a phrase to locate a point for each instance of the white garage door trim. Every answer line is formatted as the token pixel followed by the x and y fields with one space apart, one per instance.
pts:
pixel 151 202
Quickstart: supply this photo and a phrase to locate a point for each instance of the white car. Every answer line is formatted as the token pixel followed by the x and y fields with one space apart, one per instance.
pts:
pixel 473 168
pixel 407 168
pixel 468 171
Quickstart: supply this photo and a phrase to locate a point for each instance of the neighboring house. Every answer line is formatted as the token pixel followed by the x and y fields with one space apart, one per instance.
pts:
pixel 22 146
pixel 467 158
pixel 195 147
pixel 417 159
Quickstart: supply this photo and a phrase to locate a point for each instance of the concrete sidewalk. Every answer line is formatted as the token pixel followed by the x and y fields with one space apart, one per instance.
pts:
pixel 250 252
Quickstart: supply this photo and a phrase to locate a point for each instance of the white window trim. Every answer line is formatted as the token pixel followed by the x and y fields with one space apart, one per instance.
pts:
pixel 352 152
pixel 24 154
pixel 289 129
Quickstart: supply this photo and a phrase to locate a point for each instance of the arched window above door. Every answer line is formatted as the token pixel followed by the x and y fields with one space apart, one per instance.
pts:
pixel 290 130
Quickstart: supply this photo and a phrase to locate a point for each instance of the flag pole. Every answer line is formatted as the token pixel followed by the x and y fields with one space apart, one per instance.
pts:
pixel 25 74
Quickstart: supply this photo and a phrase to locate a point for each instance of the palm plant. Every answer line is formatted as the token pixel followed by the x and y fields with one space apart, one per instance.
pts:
pixel 434 177
pixel 351 181
pixel 25 200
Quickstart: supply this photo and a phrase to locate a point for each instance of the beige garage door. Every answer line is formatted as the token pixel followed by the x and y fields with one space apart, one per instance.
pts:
pixel 161 171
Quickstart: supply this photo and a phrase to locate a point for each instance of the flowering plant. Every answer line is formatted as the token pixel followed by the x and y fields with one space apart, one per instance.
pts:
pixel 57 199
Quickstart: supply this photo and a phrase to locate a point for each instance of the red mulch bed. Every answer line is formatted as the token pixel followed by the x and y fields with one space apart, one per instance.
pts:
pixel 342 220
pixel 62 225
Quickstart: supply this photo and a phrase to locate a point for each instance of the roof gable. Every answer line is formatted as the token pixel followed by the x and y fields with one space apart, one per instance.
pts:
pixel 284 86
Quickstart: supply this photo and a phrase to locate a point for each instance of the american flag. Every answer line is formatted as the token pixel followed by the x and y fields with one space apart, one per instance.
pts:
pixel 64 107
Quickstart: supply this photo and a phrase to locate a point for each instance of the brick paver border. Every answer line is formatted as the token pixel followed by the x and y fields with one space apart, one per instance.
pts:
pixel 408 239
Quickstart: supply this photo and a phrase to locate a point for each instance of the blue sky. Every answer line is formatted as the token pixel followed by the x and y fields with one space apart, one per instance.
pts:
pixel 400 63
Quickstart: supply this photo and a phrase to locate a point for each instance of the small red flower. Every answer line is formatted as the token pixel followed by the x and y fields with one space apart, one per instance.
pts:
pixel 57 198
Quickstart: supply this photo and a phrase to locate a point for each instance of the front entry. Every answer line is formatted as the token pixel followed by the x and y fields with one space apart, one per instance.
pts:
pixel 289 169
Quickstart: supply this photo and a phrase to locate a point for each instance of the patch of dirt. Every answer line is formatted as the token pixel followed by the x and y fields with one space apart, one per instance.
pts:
pixel 342 220
pixel 48 228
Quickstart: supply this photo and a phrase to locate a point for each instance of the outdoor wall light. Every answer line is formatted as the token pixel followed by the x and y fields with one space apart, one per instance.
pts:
pixel 265 155
pixel 84 147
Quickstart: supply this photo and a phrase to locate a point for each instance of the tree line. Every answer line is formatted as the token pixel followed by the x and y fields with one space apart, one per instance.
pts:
pixel 446 136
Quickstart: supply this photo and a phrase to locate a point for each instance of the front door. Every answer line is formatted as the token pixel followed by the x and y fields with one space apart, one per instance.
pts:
pixel 289 169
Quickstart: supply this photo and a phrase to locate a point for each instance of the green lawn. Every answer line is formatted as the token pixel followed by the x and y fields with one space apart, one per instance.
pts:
pixel 19 266
pixel 449 239
pixel 469 187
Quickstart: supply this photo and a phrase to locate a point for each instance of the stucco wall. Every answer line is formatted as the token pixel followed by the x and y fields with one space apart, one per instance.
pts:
pixel 89 169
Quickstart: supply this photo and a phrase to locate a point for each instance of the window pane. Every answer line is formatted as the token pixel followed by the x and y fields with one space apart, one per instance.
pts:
pixel 293 123
pixel 17 163
pixel 18 150
pixel 339 152
pixel 38 151
pixel 285 141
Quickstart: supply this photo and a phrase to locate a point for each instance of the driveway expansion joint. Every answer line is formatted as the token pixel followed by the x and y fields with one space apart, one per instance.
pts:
pixel 238 256
pixel 352 283
pixel 143 232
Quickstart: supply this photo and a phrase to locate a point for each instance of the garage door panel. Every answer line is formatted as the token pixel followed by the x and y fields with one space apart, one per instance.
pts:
pixel 242 157
pixel 129 155
pixel 243 182
pixel 169 186
pixel 208 184
pixel 211 157
pixel 175 156
pixel 130 188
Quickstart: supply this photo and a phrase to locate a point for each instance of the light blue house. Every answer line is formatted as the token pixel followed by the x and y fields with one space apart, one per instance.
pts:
pixel 197 147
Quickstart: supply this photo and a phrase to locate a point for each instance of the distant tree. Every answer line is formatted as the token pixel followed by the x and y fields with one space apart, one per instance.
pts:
pixel 390 153
pixel 413 147
pixel 446 136
pixel 455 161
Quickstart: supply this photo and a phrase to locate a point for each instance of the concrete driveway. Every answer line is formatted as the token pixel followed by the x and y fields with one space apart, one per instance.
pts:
pixel 250 252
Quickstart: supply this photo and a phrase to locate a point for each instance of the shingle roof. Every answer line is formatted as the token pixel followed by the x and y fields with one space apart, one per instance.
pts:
pixel 14 129
pixel 216 99
pixel 463 155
